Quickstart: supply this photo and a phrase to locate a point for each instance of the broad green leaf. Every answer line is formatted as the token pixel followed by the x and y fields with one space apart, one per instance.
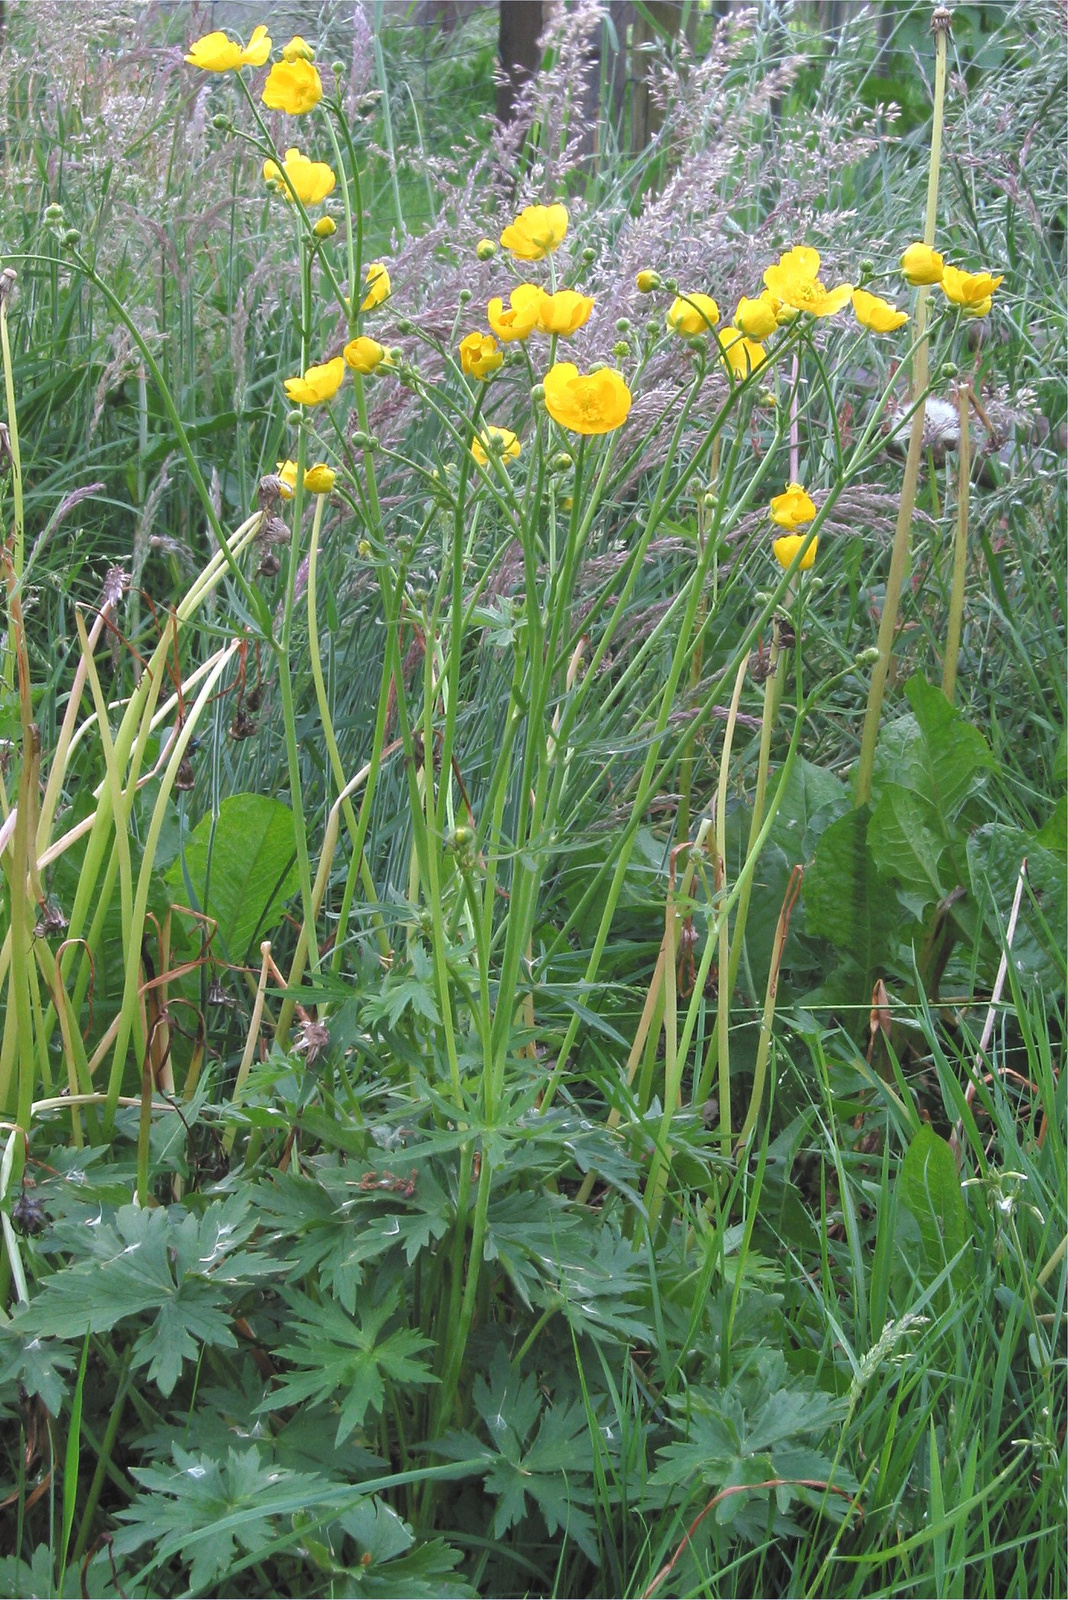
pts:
pixel 847 900
pixel 933 752
pixel 810 792
pixel 239 868
pixel 994 856
pixel 909 844
pixel 929 1185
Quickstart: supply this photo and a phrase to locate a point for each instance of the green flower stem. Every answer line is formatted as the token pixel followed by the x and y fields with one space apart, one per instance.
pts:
pixel 282 647
pixel 645 781
pixel 772 695
pixel 768 1017
pixel 18 530
pixel 723 1001
pixel 955 625
pixel 131 989
pixel 17 1047
pixel 899 557
pixel 323 701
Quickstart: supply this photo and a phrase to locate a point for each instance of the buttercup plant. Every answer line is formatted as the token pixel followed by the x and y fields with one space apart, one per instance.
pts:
pixel 624 562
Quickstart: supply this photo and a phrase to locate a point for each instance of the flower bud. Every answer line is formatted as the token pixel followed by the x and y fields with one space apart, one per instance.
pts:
pixel 404 326
pixel 948 371
pixel 71 236
pixel 363 549
pixel 868 657
pixel 708 500
pixel 589 254
pixel 537 393
pixel 222 123
pixel 485 249
pixel 294 419
pixel 561 462
pixel 464 296
pixel 324 228
pixel 621 348
pixel 670 285
pixel 648 281
pixel 53 213
pixel 623 325
pixel 339 69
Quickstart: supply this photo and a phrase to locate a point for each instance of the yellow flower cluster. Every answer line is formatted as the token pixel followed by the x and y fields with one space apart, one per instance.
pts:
pixel 320 383
pixel 972 291
pixel 293 84
pixel 591 403
pixel 319 479
pixel 793 509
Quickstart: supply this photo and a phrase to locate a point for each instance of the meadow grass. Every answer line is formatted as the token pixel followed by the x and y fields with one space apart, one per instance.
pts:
pixel 506 1087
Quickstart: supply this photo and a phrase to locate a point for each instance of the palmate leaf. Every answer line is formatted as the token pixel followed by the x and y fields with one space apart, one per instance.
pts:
pixel 392 1566
pixel 333 1351
pixel 205 1509
pixel 766 1424
pixel 553 1467
pixel 188 1270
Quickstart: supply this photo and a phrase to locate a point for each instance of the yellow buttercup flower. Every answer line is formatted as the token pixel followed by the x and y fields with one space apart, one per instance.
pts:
pixel 318 383
pixel 758 319
pixel 379 287
pixel 480 355
pixel 881 316
pixel 786 548
pixel 521 320
pixel 536 232
pixel 365 355
pixel 293 87
pixel 793 508
pixel 740 354
pixel 647 281
pixel 795 281
pixel 297 49
pixel 693 314
pixel 595 403
pixel 216 52
pixel 309 181
pixel 971 291
pixel 921 264
pixel 320 479
pixel 564 312
pixel 286 472
pixel 500 442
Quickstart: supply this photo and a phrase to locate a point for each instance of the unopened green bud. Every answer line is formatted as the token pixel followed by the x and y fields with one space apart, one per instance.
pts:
pixel 589 254
pixel 868 657
pixel 562 462
pixel 222 123
pixel 623 325
pixel 71 236
pixel 465 295
pixel 294 419
pixel 948 371
pixel 708 500
pixel 485 250
pixel 537 393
